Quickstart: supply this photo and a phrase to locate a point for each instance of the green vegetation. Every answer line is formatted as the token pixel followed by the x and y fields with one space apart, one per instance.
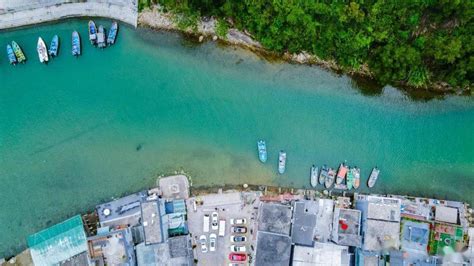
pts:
pixel 222 28
pixel 413 43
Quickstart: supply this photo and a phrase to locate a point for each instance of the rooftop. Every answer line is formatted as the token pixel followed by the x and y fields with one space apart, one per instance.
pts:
pixel 151 220
pixel 122 211
pixel 176 252
pixel 346 227
pixel 415 236
pixel 322 254
pixel 381 235
pixel 275 218
pixel 446 214
pixel 273 249
pixel 324 220
pixel 58 242
pixel 304 222
pixel 114 248
pixel 382 208
pixel 174 187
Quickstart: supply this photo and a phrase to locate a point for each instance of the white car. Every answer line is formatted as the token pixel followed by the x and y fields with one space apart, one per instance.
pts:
pixel 215 221
pixel 203 241
pixel 238 221
pixel 235 248
pixel 212 242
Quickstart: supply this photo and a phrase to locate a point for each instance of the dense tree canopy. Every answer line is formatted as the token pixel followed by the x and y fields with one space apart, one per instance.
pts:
pixel 409 42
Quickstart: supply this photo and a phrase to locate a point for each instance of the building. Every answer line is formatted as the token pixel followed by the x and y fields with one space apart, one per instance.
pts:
pixel 304 222
pixel 446 214
pixel 112 248
pixel 275 218
pixel 124 211
pixel 346 227
pixel 151 222
pixel 273 249
pixel 60 243
pixel 380 222
pixel 322 254
pixel 177 251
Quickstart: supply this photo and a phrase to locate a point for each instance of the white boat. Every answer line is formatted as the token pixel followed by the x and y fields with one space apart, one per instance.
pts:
pixel 282 162
pixel 374 175
pixel 42 51
pixel 314 176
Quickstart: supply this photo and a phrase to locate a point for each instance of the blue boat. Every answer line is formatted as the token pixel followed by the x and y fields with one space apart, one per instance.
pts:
pixel 262 151
pixel 92 32
pixel 11 55
pixel 112 33
pixel 53 48
pixel 76 44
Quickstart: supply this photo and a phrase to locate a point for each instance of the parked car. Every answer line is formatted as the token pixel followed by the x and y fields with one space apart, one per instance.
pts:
pixel 239 229
pixel 235 248
pixel 203 241
pixel 215 221
pixel 237 257
pixel 205 225
pixel 238 221
pixel 238 239
pixel 212 242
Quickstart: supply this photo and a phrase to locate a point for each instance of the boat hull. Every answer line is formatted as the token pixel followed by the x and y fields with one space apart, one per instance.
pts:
pixel 374 175
pixel 112 33
pixel 54 47
pixel 42 51
pixel 314 176
pixel 11 55
pixel 262 151
pixel 76 44
pixel 20 56
pixel 282 162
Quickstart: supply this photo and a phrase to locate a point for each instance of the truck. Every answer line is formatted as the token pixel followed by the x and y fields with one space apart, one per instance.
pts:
pixel 206 220
pixel 222 228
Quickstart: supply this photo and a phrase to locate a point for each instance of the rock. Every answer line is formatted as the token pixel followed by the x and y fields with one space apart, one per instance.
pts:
pixel 201 38
pixel 214 38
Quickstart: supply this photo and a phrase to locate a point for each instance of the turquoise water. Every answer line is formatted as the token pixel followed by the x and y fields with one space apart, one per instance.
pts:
pixel 69 131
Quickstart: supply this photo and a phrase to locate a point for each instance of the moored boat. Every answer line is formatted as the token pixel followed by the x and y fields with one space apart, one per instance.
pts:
pixel 341 173
pixel 314 175
pixel 262 151
pixel 101 37
pixel 282 162
pixel 350 179
pixel 92 32
pixel 356 174
pixel 374 175
pixel 331 176
pixel 42 51
pixel 54 47
pixel 11 55
pixel 112 33
pixel 323 174
pixel 20 56
pixel 76 44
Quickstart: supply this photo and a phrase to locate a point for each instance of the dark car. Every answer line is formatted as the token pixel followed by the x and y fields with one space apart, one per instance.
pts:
pixel 239 229
pixel 237 257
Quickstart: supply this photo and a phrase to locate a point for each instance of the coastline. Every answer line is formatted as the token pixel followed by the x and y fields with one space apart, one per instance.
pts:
pixel 156 18
pixel 20 13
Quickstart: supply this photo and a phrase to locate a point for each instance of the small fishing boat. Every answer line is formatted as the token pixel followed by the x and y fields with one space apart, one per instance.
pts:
pixel 101 37
pixel 323 174
pixel 20 56
pixel 341 173
pixel 356 173
pixel 11 55
pixel 331 176
pixel 374 175
pixel 282 162
pixel 92 32
pixel 350 179
pixel 314 175
pixel 53 48
pixel 262 151
pixel 112 33
pixel 42 51
pixel 76 44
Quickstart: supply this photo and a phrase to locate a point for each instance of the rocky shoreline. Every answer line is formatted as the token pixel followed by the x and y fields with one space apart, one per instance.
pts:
pixel 156 18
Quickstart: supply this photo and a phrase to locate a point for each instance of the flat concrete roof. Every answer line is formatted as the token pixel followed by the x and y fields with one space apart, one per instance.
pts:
pixel 176 252
pixel 304 222
pixel 446 214
pixel 116 247
pixel 174 187
pixel 415 236
pixel 273 249
pixel 122 211
pixel 151 221
pixel 324 220
pixel 346 227
pixel 381 235
pixel 382 208
pixel 275 218
pixel 322 254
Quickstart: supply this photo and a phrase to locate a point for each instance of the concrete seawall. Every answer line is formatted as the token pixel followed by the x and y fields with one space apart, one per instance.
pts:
pixel 16 13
